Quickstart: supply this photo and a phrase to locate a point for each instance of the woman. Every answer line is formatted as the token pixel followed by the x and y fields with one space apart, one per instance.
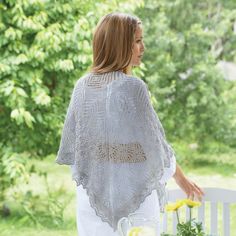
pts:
pixel 112 137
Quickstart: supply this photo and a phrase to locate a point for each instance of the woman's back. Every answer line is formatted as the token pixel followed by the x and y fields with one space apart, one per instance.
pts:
pixel 112 137
pixel 119 147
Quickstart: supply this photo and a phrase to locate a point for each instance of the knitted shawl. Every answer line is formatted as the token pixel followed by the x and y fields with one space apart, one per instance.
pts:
pixel 113 138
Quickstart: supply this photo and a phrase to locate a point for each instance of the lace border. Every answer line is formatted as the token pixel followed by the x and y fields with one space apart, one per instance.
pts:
pixel 161 193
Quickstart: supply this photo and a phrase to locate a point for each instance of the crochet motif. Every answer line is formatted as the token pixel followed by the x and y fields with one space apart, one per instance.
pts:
pixel 116 144
pixel 132 152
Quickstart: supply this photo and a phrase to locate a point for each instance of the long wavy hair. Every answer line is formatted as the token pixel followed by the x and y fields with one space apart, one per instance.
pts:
pixel 113 41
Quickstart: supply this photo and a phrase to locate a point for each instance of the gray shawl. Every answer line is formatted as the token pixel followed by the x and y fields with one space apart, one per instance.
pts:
pixel 116 144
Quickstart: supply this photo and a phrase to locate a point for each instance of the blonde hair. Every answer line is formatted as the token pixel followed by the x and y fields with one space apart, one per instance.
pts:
pixel 113 41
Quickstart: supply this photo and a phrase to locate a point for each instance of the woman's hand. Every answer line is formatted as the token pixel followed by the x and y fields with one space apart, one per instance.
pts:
pixel 191 189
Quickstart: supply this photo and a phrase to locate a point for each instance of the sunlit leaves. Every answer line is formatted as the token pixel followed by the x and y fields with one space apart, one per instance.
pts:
pixel 40 97
pixel 7 88
pixel 45 47
pixel 21 116
pixel 4 68
pixel 20 59
pixel 14 167
pixel 64 65
pixel 184 41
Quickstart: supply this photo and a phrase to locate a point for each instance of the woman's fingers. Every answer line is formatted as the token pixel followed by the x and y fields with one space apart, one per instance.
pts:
pixel 195 192
pixel 190 196
pixel 191 189
pixel 200 192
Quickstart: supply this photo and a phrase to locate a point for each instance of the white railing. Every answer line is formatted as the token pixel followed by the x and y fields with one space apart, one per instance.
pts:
pixel 214 196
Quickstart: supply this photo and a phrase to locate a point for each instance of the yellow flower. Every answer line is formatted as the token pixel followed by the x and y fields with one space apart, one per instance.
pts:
pixel 174 206
pixel 141 231
pixel 134 231
pixel 182 201
pixel 191 203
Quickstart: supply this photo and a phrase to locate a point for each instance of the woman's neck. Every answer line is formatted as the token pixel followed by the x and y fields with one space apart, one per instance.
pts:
pixel 129 70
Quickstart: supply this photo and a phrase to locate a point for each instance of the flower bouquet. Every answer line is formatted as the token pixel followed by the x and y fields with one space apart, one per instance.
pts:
pixel 191 227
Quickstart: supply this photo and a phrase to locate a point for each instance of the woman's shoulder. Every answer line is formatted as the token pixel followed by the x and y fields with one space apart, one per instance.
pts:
pixel 137 84
pixel 79 82
pixel 136 80
pixel 131 80
pixel 81 78
pixel 114 76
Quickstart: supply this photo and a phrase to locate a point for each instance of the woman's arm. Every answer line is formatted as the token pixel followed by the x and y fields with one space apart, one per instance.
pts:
pixel 189 187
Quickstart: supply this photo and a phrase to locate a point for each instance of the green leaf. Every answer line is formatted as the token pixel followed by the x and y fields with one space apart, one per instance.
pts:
pixel 29 119
pixel 20 59
pixel 21 92
pixel 42 98
pixel 64 65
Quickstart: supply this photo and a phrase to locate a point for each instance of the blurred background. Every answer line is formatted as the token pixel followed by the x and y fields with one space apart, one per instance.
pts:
pixel 45 46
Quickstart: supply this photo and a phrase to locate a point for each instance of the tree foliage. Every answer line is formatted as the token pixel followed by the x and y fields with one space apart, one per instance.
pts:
pixel 45 46
pixel 185 40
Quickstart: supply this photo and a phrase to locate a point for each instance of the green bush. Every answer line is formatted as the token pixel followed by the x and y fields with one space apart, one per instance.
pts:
pixel 184 42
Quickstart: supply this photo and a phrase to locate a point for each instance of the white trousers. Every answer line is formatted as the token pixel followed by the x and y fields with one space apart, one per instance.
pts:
pixel 89 224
